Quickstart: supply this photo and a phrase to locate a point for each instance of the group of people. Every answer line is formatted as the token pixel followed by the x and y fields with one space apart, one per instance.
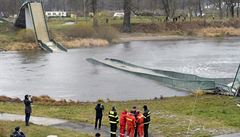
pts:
pixel 132 123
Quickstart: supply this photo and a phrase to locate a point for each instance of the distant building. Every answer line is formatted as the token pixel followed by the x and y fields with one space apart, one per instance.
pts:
pixel 118 14
pixel 56 13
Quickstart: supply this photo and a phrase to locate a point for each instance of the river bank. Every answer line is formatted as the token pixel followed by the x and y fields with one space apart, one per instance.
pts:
pixel 94 42
pixel 82 34
pixel 210 115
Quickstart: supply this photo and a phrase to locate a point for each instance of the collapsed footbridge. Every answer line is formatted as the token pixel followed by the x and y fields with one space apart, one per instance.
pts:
pixel 176 80
pixel 31 16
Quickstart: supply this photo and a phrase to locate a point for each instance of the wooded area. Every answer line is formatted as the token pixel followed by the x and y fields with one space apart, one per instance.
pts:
pixel 163 10
pixel 169 8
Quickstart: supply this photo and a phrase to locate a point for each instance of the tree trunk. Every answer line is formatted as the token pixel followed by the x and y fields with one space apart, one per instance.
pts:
pixel 238 8
pixel 127 16
pixel 94 10
pixel 227 13
pixel 190 13
pixel 166 9
pixel 220 9
pixel 232 11
pixel 200 8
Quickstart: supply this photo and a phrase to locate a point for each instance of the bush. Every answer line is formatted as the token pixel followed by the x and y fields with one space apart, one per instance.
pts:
pixel 87 31
pixel 219 32
pixel 6 27
pixel 106 32
pixel 79 31
pixel 26 35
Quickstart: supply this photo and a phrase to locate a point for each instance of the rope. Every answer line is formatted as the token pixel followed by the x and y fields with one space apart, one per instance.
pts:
pixel 190 121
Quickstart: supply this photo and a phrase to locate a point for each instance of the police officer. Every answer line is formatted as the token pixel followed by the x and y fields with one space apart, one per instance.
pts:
pixel 28 108
pixel 113 120
pixel 99 113
pixel 146 120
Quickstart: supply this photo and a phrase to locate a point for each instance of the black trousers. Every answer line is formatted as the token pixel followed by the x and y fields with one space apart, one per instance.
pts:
pixel 27 118
pixel 136 131
pixel 98 119
pixel 113 130
pixel 146 130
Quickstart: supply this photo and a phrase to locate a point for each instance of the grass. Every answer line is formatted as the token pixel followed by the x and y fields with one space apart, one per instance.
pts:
pixel 6 128
pixel 211 115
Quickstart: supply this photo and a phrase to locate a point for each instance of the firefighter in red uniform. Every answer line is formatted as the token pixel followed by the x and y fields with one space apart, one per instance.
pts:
pixel 140 123
pixel 131 124
pixel 123 123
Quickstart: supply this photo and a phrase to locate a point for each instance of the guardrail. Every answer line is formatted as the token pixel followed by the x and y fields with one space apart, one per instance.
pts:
pixel 44 47
pixel 59 45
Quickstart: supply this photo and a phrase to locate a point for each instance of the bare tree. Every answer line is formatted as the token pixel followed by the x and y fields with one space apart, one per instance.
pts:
pixel 127 16
pixel 231 5
pixel 219 5
pixel 169 7
pixel 238 6
pixel 94 10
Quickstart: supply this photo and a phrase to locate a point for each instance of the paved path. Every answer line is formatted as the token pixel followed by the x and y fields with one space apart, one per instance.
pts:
pixel 57 123
pixel 230 135
pixel 64 124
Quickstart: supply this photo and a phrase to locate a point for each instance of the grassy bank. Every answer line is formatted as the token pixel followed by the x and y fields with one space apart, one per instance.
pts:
pixel 6 128
pixel 81 33
pixel 210 115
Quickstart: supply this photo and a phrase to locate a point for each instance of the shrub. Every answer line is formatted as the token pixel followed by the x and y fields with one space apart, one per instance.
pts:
pixel 106 32
pixel 26 35
pixel 87 31
pixel 79 31
pixel 219 32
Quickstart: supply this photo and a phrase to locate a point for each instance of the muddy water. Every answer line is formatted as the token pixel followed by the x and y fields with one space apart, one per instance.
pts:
pixel 69 75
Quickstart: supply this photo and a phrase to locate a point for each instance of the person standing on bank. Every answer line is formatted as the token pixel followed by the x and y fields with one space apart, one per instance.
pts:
pixel 99 113
pixel 113 120
pixel 147 120
pixel 28 108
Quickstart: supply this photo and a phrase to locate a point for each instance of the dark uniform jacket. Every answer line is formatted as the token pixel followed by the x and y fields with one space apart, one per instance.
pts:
pixel 28 108
pixel 147 118
pixel 113 117
pixel 99 110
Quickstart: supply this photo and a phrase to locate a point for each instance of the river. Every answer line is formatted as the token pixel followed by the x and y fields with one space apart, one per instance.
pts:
pixel 70 76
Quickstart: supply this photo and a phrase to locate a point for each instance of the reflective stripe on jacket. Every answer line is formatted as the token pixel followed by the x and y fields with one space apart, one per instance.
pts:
pixel 113 117
pixel 140 119
pixel 147 118
pixel 131 121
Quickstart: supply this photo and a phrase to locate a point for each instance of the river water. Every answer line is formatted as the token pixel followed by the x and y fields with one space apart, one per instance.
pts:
pixel 70 76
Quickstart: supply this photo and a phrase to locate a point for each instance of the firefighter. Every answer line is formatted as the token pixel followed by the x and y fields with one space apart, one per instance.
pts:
pixel 140 123
pixel 146 120
pixel 123 123
pixel 131 124
pixel 113 120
